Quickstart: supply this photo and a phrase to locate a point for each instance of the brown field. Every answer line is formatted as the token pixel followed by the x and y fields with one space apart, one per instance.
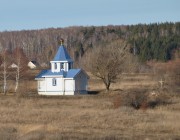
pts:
pixel 94 116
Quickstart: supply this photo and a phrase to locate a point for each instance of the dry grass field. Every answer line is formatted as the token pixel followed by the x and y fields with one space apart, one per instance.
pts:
pixel 95 116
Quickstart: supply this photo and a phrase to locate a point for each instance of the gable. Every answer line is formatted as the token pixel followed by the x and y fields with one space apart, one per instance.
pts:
pixel 31 65
pixel 82 74
pixel 13 66
pixel 72 73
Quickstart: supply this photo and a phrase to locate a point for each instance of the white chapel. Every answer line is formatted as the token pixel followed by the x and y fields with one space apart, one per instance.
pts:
pixel 62 79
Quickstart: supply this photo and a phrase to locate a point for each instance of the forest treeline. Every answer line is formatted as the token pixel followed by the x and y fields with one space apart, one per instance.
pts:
pixel 154 41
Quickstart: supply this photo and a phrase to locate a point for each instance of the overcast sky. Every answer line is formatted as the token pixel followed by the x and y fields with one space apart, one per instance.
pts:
pixel 39 14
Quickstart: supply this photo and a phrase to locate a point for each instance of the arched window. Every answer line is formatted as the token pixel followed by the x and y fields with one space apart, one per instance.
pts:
pixel 55 66
pixel 62 65
pixel 54 82
pixel 69 64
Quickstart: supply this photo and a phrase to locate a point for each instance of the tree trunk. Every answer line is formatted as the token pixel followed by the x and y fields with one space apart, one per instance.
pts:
pixel 4 88
pixel 17 79
pixel 16 86
pixel 5 79
pixel 107 84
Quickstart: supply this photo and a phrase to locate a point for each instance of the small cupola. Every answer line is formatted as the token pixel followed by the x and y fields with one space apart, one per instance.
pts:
pixel 62 61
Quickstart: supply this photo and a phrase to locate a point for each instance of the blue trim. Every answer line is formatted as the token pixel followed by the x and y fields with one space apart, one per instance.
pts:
pixel 70 74
pixel 45 73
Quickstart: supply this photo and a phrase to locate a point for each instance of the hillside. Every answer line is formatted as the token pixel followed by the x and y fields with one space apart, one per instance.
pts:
pixel 154 41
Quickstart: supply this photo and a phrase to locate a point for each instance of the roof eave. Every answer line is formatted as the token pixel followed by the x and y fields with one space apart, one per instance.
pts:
pixel 53 76
pixel 68 60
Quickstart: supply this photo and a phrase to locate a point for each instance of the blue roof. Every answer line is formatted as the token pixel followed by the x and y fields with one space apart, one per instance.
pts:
pixel 41 74
pixel 49 73
pixel 70 74
pixel 45 73
pixel 62 55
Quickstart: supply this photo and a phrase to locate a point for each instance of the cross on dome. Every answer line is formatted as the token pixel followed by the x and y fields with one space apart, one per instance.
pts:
pixel 62 41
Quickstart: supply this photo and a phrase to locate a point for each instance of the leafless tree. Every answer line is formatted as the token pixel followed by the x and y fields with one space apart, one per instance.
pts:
pixel 5 61
pixel 20 60
pixel 109 61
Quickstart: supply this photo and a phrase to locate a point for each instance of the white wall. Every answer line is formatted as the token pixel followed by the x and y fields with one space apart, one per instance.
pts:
pixel 41 85
pixel 46 85
pixel 69 86
pixel 50 93
pixel 31 65
pixel 59 66
pixel 53 67
pixel 58 87
pixel 63 87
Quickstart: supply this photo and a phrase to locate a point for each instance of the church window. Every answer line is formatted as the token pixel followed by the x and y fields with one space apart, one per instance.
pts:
pixel 54 82
pixel 62 65
pixel 69 66
pixel 55 66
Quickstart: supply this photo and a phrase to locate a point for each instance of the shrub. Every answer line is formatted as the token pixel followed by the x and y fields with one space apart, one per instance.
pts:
pixel 141 99
pixel 137 100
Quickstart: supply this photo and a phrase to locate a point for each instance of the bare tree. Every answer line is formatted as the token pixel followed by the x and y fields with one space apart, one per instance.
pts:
pixel 5 60
pixel 109 61
pixel 20 60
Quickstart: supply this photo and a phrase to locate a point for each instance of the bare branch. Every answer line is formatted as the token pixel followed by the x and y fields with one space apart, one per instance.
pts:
pixel 109 61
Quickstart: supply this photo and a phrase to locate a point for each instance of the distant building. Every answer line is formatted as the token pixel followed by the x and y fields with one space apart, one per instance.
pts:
pixel 32 64
pixel 13 65
pixel 62 79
